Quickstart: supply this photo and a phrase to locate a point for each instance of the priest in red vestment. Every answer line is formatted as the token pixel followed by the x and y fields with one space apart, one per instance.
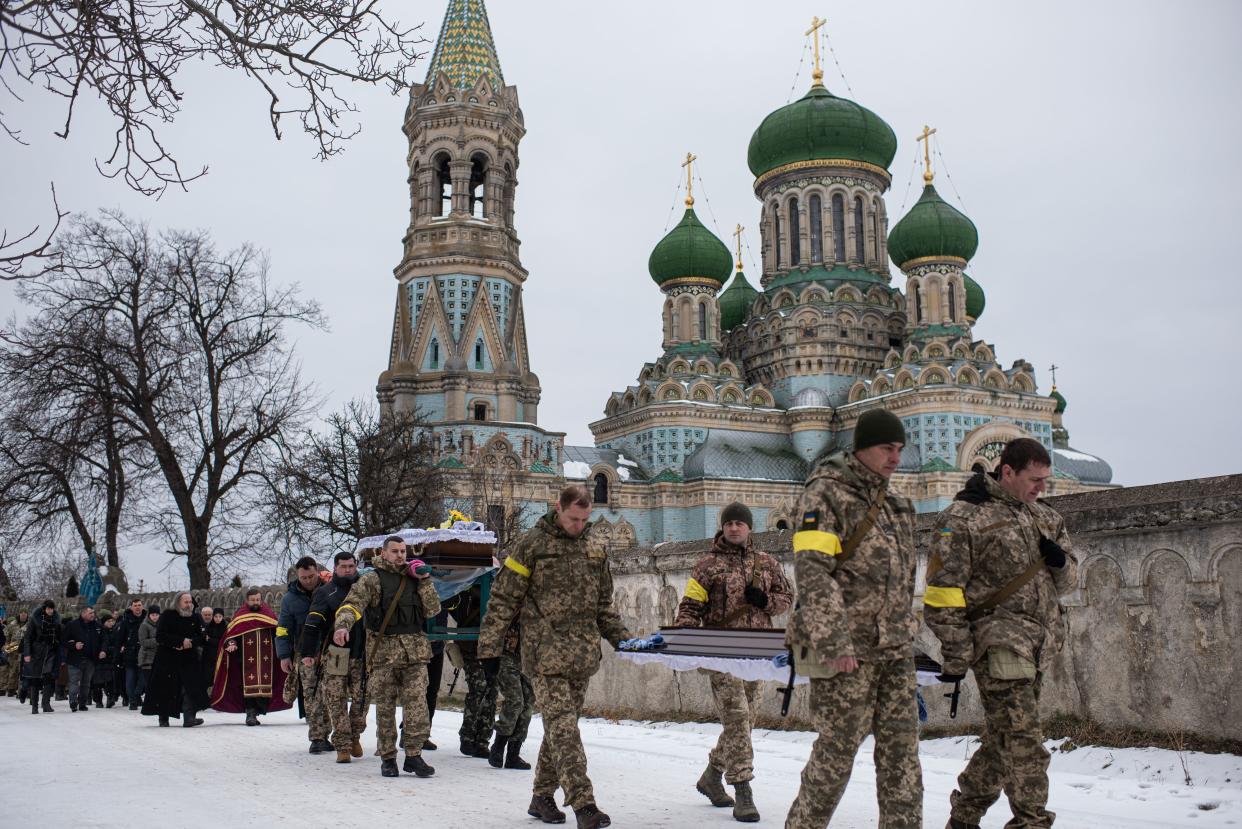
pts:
pixel 248 675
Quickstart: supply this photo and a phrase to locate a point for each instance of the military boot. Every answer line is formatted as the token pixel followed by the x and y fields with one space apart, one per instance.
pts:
pixel 744 810
pixel 954 823
pixel 513 760
pixel 712 787
pixel 388 768
pixel 544 808
pixel 496 756
pixel 342 755
pixel 590 817
pixel 355 748
pixel 414 764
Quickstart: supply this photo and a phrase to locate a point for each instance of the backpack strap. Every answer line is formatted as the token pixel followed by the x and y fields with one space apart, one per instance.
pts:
pixel 851 543
pixel 1012 586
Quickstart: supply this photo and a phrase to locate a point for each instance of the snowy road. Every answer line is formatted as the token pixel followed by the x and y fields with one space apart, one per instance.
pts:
pixel 115 768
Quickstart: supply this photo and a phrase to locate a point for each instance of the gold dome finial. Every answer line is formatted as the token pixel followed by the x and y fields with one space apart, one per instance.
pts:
pixel 928 132
pixel 817 75
pixel 737 236
pixel 689 165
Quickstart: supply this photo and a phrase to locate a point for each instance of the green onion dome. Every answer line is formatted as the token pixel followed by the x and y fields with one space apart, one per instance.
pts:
pixel 1057 396
pixel 975 299
pixel 933 229
pixel 821 126
pixel 690 252
pixel 735 301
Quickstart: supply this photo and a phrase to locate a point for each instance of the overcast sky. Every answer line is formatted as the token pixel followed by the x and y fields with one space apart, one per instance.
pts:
pixel 1093 144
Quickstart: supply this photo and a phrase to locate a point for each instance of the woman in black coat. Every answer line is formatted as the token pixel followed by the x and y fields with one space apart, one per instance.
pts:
pixel 176 684
pixel 41 654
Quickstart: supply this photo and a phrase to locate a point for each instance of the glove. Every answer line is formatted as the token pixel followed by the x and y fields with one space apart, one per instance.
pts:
pixel 491 667
pixel 781 660
pixel 1053 555
pixel 418 567
pixel 949 679
pixel 756 596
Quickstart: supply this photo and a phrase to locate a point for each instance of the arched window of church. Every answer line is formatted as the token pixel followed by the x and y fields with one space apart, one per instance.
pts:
pixel 795 233
pixel 952 303
pixel 702 321
pixel 918 303
pixel 443 182
pixel 478 182
pixel 817 229
pixel 776 236
pixel 435 353
pixel 838 228
pixel 478 353
pixel 860 236
pixel 601 488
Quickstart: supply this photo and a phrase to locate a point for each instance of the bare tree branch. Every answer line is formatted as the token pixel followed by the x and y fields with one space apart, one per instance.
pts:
pixel 33 248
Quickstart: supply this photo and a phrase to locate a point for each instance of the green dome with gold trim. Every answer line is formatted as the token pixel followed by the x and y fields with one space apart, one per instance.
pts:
pixel 821 126
pixel 735 301
pixel 975 299
pixel 932 228
pixel 690 251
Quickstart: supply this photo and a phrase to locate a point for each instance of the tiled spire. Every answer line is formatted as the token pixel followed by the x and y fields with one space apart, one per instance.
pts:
pixel 465 50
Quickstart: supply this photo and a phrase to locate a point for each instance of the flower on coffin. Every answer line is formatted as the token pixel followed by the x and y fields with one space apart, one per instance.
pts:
pixel 454 517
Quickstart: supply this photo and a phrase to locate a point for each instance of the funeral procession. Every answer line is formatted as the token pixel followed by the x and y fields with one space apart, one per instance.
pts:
pixel 778 534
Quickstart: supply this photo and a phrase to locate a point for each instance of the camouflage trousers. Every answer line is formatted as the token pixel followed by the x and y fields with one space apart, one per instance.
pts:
pixel 876 698
pixel 10 674
pixel 403 684
pixel 347 710
pixel 517 700
pixel 480 706
pixel 1011 756
pixel 312 700
pixel 562 759
pixel 736 706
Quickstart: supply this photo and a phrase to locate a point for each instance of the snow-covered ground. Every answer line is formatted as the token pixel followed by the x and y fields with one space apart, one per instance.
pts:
pixel 115 768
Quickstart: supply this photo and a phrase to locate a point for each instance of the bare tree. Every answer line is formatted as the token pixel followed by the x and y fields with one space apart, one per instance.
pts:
pixel 127 53
pixel 489 491
pixel 363 474
pixel 31 253
pixel 193 343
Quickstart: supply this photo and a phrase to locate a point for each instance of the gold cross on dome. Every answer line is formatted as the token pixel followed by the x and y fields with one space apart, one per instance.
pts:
pixel 817 76
pixel 689 165
pixel 737 235
pixel 928 132
pixel 1053 368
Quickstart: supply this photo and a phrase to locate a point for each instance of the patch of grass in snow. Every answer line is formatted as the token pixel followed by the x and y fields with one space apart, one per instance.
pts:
pixel 1080 731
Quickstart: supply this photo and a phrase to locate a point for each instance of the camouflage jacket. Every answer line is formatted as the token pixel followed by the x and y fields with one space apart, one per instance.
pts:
pixel 390 649
pixel 984 540
pixel 564 590
pixel 717 586
pixel 862 606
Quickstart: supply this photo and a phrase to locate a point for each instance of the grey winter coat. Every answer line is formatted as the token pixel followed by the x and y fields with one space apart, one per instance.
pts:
pixel 146 643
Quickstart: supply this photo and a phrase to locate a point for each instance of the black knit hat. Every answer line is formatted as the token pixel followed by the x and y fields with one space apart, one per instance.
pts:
pixel 737 511
pixel 49 603
pixel 153 609
pixel 877 426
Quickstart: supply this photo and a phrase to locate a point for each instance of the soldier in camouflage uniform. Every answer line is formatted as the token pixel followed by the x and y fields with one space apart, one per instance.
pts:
pixel 733 586
pixel 517 705
pixel 10 674
pixel 560 580
pixel 853 629
pixel 302 667
pixel 342 694
pixel 397 661
pixel 997 537
pixel 479 708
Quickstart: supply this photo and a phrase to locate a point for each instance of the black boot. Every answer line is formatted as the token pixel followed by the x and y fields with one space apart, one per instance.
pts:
pixel 190 721
pixel 429 746
pixel 544 808
pixel 590 817
pixel 496 757
pixel 513 760
pixel 163 722
pixel 34 704
pixel 388 768
pixel 252 718
pixel 416 765
pixel 47 700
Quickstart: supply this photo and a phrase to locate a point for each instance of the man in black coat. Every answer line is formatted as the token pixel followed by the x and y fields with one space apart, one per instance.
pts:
pixel 41 655
pixel 83 650
pixel 176 677
pixel 127 633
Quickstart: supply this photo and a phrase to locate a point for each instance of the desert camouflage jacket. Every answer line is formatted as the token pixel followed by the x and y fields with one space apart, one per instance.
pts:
pixel 390 649
pixel 715 595
pixel 563 588
pixel 861 606
pixel 980 543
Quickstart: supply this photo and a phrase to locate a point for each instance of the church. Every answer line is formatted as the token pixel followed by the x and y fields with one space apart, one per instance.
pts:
pixel 752 384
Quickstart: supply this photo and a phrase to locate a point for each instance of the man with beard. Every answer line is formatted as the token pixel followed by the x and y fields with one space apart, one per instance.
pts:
pixel 733 586
pixel 127 632
pixel 301 666
pixel 341 688
pixel 248 677
pixel 176 685
pixel 213 634
pixel 394 603
pixel 41 655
